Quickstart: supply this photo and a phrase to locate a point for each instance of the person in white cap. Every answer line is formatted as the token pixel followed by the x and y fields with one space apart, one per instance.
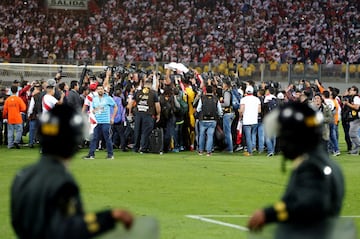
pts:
pixel 250 107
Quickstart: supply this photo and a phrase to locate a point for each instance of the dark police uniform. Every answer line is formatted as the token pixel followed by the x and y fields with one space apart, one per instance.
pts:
pixel 45 203
pixel 314 194
pixel 144 118
pixel 312 201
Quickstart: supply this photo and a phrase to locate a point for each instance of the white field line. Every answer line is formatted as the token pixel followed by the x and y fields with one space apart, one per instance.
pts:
pixel 247 216
pixel 351 216
pixel 238 216
pixel 205 218
pixel 217 222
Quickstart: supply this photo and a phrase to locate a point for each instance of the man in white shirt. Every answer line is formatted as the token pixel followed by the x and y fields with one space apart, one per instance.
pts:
pixel 354 104
pixel 250 107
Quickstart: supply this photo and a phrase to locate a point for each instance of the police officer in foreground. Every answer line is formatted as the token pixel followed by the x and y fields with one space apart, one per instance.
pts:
pixel 315 190
pixel 45 199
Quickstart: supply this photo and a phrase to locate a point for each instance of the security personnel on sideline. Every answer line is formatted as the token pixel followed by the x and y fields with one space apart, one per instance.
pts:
pixel 45 199
pixel 315 191
pixel 147 111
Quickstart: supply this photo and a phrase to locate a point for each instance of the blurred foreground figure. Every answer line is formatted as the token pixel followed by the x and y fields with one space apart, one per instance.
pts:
pixel 315 191
pixel 45 199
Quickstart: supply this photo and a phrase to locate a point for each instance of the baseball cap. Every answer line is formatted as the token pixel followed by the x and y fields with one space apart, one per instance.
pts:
pixel 280 96
pixel 93 86
pixel 249 89
pixel 51 83
pixel 16 81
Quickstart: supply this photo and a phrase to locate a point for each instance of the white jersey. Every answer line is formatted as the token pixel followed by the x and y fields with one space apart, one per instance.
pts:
pixel 250 115
pixel 356 101
pixel 88 101
pixel 48 102
pixel 330 103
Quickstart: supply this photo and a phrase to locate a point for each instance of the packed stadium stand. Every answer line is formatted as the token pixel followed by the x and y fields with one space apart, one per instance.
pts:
pixel 321 31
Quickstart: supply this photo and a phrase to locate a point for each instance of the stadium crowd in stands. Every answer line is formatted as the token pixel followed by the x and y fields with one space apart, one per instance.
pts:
pixel 325 32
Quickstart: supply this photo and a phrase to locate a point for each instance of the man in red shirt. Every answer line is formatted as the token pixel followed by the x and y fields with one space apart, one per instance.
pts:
pixel 13 107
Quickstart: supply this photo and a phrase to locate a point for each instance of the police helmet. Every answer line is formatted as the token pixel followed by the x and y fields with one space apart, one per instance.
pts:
pixel 298 127
pixel 61 131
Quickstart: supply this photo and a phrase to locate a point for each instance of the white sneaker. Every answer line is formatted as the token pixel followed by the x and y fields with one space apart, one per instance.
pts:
pixel 89 157
pixel 270 155
pixel 238 148
pixel 337 153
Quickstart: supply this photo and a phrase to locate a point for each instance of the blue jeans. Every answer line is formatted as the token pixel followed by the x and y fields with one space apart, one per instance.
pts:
pixel 16 129
pixel 270 144
pixel 207 129
pixel 259 133
pixel 227 121
pixel 333 141
pixel 33 125
pixel 1 130
pixel 249 130
pixel 105 131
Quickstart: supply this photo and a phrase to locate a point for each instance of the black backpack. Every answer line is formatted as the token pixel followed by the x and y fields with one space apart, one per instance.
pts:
pixel 209 107
pixel 270 105
pixel 167 108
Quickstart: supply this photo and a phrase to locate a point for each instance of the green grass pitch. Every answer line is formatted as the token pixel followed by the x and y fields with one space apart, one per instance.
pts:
pixel 223 187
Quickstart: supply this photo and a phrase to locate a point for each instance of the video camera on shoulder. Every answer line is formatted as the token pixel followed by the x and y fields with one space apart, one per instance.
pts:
pixel 60 70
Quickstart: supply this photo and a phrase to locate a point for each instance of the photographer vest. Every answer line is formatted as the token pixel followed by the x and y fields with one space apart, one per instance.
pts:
pixel 145 102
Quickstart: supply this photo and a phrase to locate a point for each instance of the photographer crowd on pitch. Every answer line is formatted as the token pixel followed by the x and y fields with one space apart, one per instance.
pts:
pixel 145 111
